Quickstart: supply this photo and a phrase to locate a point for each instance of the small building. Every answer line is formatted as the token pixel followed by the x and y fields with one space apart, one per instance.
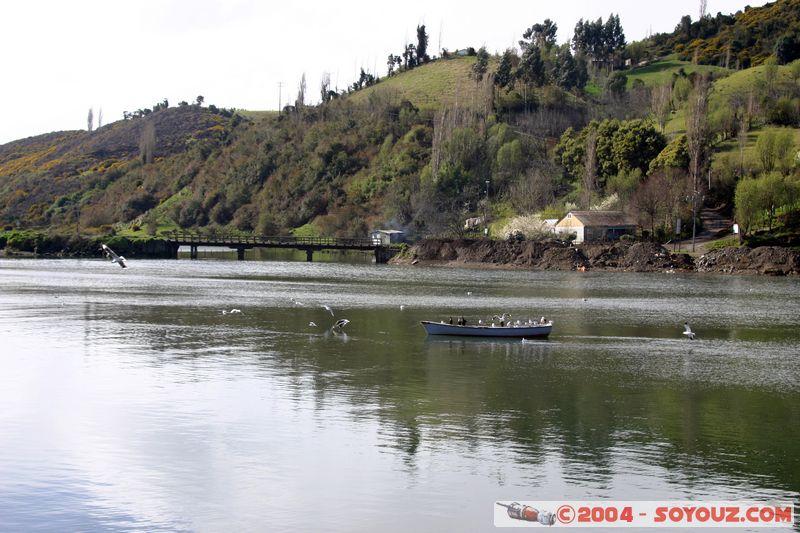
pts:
pixel 594 226
pixel 388 236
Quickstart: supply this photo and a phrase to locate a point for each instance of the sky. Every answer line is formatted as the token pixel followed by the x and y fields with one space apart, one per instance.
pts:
pixel 62 58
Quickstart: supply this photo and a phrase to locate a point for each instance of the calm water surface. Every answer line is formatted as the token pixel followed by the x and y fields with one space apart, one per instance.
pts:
pixel 129 401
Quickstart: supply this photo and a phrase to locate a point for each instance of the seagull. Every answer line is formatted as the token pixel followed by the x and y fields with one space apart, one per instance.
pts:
pixel 297 302
pixel 328 309
pixel 312 325
pixel 231 312
pixel 113 256
pixel 342 322
pixel 688 331
pixel 402 307
pixel 469 293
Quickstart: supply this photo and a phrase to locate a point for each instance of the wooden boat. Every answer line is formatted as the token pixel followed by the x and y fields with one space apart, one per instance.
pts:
pixel 525 330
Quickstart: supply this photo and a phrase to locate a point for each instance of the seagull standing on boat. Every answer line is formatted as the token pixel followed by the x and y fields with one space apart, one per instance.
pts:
pixel 688 331
pixel 113 256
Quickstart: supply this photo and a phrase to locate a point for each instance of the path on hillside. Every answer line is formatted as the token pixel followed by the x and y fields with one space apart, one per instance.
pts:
pixel 716 225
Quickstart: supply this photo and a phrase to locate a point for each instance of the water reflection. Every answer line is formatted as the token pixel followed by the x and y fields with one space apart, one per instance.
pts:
pixel 163 413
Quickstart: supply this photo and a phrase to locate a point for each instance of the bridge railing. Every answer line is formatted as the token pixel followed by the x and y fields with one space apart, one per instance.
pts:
pixel 283 240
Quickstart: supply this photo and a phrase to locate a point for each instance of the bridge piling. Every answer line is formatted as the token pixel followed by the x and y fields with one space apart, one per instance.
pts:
pixel 193 252
pixel 309 255
pixel 240 253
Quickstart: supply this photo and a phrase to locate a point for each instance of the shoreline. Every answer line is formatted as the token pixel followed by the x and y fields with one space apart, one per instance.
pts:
pixel 619 256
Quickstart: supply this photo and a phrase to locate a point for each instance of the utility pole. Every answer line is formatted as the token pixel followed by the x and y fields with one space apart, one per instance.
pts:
pixel 280 86
pixel 485 212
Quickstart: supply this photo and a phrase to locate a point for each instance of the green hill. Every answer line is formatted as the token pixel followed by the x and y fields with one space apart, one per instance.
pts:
pixel 422 150
pixel 428 86
pixel 662 72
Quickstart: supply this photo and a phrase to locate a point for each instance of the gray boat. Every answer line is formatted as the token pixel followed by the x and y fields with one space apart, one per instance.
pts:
pixel 525 330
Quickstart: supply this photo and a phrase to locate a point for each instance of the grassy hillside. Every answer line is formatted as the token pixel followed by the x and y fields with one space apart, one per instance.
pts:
pixel 428 86
pixel 662 72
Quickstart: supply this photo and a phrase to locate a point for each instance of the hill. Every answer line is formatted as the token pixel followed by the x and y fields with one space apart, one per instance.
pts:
pixel 422 150
pixel 97 178
pixel 428 86
pixel 738 41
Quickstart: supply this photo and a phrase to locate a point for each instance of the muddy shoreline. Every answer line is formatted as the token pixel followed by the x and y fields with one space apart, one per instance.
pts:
pixel 613 257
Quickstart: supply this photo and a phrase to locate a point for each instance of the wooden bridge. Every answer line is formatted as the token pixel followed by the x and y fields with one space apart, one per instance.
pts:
pixel 240 243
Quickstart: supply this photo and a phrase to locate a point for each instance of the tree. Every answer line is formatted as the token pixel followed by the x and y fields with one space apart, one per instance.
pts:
pixel 748 204
pixel 617 84
pixel 531 67
pixel 602 42
pixel 542 35
pixel 765 148
pixel 410 56
pixel 301 93
pixel 90 121
pixel 613 38
pixel 100 118
pixel 481 65
pixel 784 150
pixel 590 170
pixel 422 45
pixel 565 70
pixel 147 141
pixel 325 87
pixel 787 47
pixel 697 129
pixel 647 200
pixel 661 102
pixel 504 77
pixel 199 100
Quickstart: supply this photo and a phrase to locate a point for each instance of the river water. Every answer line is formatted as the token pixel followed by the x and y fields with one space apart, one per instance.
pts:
pixel 129 401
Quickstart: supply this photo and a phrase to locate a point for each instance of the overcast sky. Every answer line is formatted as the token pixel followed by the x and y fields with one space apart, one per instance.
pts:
pixel 61 58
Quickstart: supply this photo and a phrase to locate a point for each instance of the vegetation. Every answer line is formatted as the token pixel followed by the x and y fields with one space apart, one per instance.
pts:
pixel 446 137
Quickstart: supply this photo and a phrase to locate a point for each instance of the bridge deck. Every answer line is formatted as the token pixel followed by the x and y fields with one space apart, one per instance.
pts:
pixel 183 238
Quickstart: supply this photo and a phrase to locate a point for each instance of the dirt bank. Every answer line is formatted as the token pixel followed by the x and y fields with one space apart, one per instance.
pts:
pixel 771 260
pixel 618 256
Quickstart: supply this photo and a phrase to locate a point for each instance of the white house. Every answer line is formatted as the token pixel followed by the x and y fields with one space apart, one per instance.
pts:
pixel 387 236
pixel 593 226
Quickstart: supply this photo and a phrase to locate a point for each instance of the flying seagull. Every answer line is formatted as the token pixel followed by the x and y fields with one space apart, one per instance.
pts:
pixel 342 322
pixel 312 325
pixel 111 254
pixel 232 311
pixel 328 309
pixel 688 331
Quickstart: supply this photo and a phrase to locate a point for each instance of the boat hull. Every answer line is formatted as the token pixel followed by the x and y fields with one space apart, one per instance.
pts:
pixel 529 332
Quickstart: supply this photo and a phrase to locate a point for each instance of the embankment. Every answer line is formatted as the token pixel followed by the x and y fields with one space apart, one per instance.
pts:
pixel 618 256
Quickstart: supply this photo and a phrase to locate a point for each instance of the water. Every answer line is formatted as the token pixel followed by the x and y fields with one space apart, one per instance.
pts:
pixel 128 401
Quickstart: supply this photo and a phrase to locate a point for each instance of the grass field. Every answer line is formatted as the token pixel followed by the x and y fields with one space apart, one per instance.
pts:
pixel 428 86
pixel 660 72
pixel 256 115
